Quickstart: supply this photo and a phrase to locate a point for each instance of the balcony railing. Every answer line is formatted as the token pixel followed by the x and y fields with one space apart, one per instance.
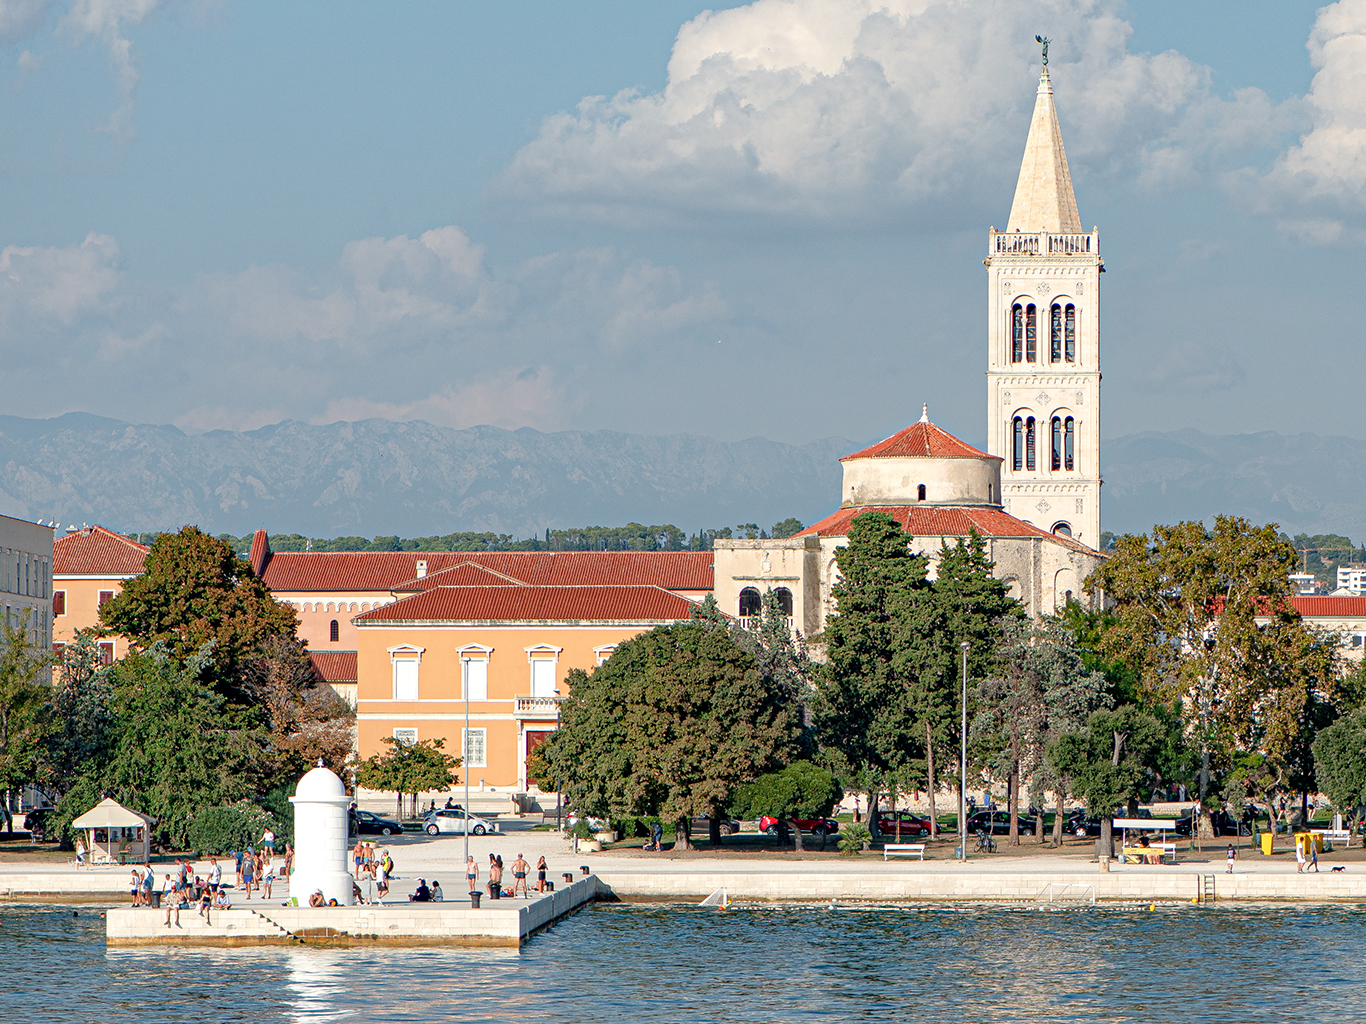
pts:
pixel 753 622
pixel 1044 243
pixel 536 707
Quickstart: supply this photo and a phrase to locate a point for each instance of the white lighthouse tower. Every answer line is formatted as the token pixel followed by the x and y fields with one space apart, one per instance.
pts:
pixel 320 836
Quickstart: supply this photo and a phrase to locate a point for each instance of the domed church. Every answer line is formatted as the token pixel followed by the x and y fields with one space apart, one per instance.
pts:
pixel 1034 497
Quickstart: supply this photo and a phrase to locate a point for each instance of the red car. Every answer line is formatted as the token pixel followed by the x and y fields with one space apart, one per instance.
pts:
pixel 911 824
pixel 818 827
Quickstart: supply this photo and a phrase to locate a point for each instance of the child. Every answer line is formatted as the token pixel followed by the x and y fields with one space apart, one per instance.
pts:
pixel 1232 853
pixel 267 881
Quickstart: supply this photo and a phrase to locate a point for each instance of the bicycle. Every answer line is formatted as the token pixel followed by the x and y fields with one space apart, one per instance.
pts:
pixel 985 843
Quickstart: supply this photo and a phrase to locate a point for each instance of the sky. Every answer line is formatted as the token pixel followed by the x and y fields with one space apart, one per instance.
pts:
pixel 763 219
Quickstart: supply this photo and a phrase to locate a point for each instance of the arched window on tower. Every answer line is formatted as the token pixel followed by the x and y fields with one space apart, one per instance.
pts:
pixel 1031 334
pixel 1055 462
pixel 750 602
pixel 920 492
pixel 1017 333
pixel 1017 448
pixel 1069 444
pixel 1055 334
pixel 784 600
pixel 1070 333
pixel 334 633
pixel 1030 462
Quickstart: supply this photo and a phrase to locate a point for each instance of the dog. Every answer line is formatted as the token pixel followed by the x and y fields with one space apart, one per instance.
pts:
pixel 1340 867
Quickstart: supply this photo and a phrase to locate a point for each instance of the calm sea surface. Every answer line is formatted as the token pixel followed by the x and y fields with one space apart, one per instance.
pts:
pixel 673 964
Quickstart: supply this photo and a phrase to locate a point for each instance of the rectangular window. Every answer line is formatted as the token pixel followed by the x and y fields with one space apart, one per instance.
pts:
pixel 405 679
pixel 542 677
pixel 59 602
pixel 57 650
pixel 604 653
pixel 105 597
pixel 477 679
pixel 106 653
pixel 408 737
pixel 476 748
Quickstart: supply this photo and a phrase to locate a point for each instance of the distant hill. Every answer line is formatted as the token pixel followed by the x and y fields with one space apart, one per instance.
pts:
pixel 376 477
pixel 1304 482
pixel 379 477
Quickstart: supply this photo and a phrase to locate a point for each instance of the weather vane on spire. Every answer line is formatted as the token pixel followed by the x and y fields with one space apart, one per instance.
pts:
pixel 1041 39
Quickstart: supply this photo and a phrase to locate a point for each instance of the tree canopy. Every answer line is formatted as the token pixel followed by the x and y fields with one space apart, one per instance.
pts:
pixel 409 768
pixel 193 590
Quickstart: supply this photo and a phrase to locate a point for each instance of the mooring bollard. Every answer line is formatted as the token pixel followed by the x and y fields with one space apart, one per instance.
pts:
pixel 474 900
pixel 584 869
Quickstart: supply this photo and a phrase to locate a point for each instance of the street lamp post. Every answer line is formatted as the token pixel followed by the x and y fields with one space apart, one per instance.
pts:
pixel 557 773
pixel 963 766
pixel 465 754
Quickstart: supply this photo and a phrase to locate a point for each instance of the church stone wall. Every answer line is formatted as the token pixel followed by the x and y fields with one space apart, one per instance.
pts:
pixel 896 481
pixel 792 562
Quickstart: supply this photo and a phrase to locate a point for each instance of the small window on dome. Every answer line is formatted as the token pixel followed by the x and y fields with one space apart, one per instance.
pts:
pixel 920 492
pixel 1062 529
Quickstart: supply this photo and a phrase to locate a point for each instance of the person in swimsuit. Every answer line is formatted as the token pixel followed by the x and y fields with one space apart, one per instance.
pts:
pixel 540 875
pixel 472 874
pixel 495 877
pixel 519 870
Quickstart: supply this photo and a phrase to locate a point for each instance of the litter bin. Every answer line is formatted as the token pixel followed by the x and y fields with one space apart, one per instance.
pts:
pixel 156 899
pixel 1267 837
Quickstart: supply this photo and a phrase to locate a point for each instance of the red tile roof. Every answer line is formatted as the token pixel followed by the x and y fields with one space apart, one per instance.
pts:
pixel 921 439
pixel 334 666
pixel 95 551
pixel 306 571
pixel 1336 607
pixel 466 574
pixel 535 604
pixel 942 521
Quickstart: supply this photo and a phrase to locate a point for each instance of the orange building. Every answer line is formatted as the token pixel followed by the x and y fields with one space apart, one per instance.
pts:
pixel 89 566
pixel 505 646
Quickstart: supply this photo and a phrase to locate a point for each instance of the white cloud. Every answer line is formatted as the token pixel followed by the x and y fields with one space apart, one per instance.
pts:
pixel 21 18
pixel 107 21
pixel 511 398
pixel 60 283
pixel 29 61
pixel 1318 187
pixel 831 108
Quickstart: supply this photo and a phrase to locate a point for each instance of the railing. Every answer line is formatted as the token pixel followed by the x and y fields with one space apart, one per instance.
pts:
pixel 753 622
pixel 1017 243
pixel 536 707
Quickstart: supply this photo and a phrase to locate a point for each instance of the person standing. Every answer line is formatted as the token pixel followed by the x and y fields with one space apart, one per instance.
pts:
pixel 215 875
pixel 495 877
pixel 382 883
pixel 1232 853
pixel 135 887
pixel 472 873
pixel 236 856
pixel 289 859
pixel 80 852
pixel 519 871
pixel 540 874
pixel 1314 855
pixel 268 843
pixel 248 875
pixel 267 880
pixel 1299 855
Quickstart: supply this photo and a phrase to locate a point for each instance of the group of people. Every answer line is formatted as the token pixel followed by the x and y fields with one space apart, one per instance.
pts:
pixel 520 870
pixel 1306 854
pixel 256 868
pixel 183 887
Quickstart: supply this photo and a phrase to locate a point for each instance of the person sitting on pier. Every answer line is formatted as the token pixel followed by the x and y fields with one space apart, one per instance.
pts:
pixel 422 894
pixel 205 901
pixel 222 901
pixel 437 897
pixel 317 899
pixel 174 898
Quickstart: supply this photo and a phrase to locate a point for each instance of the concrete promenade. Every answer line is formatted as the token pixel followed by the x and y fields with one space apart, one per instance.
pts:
pixel 497 923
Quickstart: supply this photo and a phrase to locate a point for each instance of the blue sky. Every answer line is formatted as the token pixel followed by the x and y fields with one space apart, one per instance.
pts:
pixel 767 220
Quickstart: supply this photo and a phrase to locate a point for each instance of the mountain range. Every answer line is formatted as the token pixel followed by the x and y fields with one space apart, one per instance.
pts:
pixel 375 477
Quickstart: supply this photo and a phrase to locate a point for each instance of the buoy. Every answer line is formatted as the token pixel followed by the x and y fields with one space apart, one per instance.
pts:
pixel 1151 907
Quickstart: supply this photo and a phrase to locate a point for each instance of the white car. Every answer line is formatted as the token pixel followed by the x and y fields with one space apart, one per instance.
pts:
pixel 454 819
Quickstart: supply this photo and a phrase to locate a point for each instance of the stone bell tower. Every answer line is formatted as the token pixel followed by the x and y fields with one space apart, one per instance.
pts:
pixel 1043 368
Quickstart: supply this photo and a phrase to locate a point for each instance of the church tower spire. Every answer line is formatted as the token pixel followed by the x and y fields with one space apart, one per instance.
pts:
pixel 1044 200
pixel 1043 335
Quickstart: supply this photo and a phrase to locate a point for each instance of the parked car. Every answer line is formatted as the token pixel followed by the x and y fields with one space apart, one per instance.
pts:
pixel 1080 825
pixel 455 819
pixel 365 823
pixel 818 827
pixel 702 826
pixel 997 823
pixel 1224 824
pixel 911 824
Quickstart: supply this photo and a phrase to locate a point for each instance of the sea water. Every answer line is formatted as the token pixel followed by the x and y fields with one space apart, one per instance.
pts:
pixel 669 963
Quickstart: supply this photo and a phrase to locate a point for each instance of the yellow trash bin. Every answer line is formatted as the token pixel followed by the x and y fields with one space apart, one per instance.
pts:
pixel 1267 837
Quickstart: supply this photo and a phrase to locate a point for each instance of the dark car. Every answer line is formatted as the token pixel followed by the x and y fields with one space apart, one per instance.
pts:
pixel 1224 824
pixel 997 823
pixel 818 827
pixel 364 823
pixel 702 826
pixel 911 824
pixel 1081 825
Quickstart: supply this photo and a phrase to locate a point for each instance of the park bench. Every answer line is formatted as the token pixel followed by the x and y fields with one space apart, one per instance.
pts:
pixel 1137 854
pixel 1335 835
pixel 903 850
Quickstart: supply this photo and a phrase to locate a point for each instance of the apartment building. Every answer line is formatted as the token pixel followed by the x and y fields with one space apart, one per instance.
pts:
pixel 89 567
pixel 26 577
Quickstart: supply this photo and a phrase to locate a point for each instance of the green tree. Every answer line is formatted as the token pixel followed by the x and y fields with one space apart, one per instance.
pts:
pixel 787 527
pixel 1039 690
pixel 801 790
pixel 866 715
pixel 670 725
pixel 193 590
pixel 81 713
pixel 1110 760
pixel 305 719
pixel 409 768
pixel 1340 756
pixel 24 725
pixel 1204 616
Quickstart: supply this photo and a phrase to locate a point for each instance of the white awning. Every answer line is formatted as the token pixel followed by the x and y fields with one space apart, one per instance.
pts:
pixel 109 813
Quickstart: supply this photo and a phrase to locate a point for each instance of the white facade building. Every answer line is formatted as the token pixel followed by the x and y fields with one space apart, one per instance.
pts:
pixel 1352 578
pixel 1043 373
pixel 26 577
